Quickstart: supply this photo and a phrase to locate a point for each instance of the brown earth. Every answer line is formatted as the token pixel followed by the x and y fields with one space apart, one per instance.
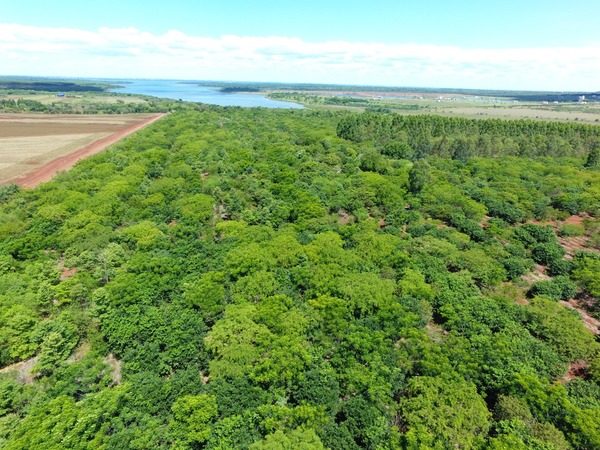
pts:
pixel 67 273
pixel 590 323
pixel 115 368
pixel 22 369
pixel 344 217
pixel 576 369
pixel 570 244
pixel 52 128
pixel 45 173
pixel 537 274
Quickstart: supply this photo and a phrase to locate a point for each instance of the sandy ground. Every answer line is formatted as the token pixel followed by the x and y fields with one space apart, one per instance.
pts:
pixel 64 162
pixel 22 369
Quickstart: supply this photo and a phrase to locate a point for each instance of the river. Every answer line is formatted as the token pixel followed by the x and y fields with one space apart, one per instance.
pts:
pixel 190 92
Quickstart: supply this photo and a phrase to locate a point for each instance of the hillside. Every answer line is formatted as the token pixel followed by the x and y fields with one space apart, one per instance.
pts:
pixel 234 278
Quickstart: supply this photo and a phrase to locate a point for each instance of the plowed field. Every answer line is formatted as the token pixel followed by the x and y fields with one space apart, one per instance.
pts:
pixel 34 147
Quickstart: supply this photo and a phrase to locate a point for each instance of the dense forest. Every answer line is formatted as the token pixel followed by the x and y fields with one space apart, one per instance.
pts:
pixel 49 86
pixel 234 278
pixel 77 106
pixel 428 135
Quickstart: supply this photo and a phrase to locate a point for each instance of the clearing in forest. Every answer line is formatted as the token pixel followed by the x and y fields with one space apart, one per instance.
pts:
pixel 34 147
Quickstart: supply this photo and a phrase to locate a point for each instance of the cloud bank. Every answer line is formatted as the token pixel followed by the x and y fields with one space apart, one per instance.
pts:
pixel 131 53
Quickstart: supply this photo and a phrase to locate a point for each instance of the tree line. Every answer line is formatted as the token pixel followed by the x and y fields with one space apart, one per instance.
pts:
pixel 414 137
pixel 79 106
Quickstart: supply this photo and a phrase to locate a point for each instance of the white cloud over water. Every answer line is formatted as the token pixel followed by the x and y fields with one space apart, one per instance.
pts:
pixel 131 53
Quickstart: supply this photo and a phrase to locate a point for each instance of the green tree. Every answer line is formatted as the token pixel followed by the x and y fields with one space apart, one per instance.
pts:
pixel 419 176
pixel 593 158
pixel 298 439
pixel 443 413
pixel 193 416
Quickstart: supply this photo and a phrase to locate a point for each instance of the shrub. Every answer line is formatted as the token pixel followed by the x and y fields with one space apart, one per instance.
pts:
pixel 515 267
pixel 559 267
pixel 468 226
pixel 531 233
pixel 546 253
pixel 559 288
pixel 7 191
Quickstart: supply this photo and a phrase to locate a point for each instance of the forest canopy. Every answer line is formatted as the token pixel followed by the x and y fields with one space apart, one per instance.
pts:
pixel 234 278
pixel 459 138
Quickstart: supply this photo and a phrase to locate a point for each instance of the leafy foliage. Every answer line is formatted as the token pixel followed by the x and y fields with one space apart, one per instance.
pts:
pixel 246 278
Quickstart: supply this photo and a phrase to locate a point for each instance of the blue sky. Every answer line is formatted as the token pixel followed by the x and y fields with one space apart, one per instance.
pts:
pixel 526 44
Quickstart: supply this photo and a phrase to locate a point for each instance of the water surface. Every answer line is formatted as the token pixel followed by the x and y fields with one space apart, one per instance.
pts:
pixel 189 92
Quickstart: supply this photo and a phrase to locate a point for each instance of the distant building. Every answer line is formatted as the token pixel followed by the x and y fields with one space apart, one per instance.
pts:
pixel 581 99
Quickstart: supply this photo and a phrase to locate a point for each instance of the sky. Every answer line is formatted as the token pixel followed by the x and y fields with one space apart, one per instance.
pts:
pixel 512 44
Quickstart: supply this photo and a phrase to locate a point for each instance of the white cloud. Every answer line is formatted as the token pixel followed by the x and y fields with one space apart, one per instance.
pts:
pixel 128 52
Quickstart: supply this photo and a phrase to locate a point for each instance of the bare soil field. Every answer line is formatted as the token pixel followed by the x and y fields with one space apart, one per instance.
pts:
pixel 33 147
pixel 535 112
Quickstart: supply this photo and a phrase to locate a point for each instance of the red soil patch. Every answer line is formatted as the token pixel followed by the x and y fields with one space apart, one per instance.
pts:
pixel 577 220
pixel 590 323
pixel 67 273
pixel 576 369
pixel 46 173
pixel 53 128
pixel 570 244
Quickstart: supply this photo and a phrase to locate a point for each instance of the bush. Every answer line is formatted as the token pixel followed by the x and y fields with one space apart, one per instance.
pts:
pixel 468 226
pixel 559 288
pixel 517 250
pixel 505 211
pixel 7 191
pixel 515 267
pixel 594 240
pixel 560 267
pixel 586 271
pixel 570 202
pixel 530 233
pixel 546 253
